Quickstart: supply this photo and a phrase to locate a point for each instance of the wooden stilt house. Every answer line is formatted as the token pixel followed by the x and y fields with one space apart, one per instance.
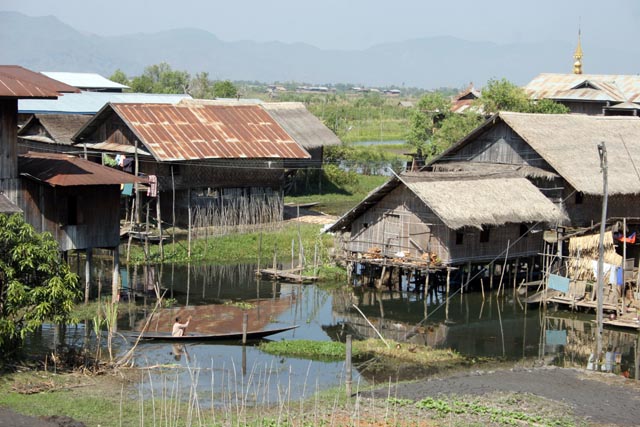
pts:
pixel 216 165
pixel 448 219
pixel 566 146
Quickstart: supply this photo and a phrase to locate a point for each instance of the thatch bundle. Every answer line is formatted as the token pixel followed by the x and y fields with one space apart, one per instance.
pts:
pixel 583 250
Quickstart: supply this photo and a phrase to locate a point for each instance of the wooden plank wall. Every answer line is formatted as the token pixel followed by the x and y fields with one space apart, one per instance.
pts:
pixel 97 214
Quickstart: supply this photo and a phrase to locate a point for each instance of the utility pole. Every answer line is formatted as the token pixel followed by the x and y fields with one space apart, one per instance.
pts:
pixel 602 151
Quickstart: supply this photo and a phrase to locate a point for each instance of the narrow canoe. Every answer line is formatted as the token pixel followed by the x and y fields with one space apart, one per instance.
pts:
pixel 194 336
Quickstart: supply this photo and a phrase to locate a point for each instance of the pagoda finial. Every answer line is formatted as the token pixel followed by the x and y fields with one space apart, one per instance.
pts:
pixel 577 65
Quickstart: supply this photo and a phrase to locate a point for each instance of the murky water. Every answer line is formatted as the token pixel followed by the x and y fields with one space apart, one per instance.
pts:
pixel 504 328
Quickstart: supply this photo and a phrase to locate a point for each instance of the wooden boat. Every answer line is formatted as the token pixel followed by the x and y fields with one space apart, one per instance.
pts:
pixel 195 336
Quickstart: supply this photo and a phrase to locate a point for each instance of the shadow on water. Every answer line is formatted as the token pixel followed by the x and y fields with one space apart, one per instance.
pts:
pixel 216 296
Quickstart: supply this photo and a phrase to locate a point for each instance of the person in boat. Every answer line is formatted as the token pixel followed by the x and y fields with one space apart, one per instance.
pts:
pixel 179 329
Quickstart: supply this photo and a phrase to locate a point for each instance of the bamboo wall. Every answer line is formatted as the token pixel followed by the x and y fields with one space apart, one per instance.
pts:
pixel 590 210
pixel 402 222
pixel 499 144
pixel 97 222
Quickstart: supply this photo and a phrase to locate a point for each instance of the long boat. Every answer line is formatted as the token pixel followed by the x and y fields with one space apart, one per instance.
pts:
pixel 195 336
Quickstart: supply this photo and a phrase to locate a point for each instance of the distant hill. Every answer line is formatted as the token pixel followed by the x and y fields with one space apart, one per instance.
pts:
pixel 47 44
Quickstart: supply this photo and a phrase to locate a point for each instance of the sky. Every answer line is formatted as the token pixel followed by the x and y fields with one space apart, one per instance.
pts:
pixel 352 24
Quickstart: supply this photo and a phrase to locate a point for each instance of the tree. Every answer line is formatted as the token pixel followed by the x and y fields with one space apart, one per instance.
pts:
pixel 35 286
pixel 119 76
pixel 160 78
pixel 502 95
pixel 454 128
pixel 200 86
pixel 224 89
pixel 425 120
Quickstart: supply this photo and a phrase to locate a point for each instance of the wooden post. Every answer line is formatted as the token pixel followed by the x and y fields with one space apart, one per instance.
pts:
pixel 446 305
pixel 173 210
pixel 602 151
pixel 348 369
pixel 146 235
pixel 492 271
pixel 87 275
pixel 482 287
pixel 259 251
pixel 624 262
pixel 159 219
pixel 189 224
pixel 115 280
pixel 137 170
pixel 245 323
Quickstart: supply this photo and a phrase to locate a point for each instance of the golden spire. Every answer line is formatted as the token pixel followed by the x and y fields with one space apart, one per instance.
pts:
pixel 577 66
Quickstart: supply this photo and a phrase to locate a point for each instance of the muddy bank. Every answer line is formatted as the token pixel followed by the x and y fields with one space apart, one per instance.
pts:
pixel 597 398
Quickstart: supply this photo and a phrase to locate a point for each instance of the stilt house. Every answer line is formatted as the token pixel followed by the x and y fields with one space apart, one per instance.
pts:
pixel 51 133
pixel 565 148
pixel 216 165
pixel 448 219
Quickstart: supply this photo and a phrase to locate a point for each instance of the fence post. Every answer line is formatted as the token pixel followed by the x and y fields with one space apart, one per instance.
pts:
pixel 348 366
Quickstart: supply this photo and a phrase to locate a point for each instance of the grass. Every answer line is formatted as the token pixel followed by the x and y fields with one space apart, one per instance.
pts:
pixel 243 247
pixel 336 201
pixel 331 350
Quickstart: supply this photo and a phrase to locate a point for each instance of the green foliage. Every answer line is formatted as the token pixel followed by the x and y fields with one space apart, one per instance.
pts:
pixel 339 177
pixel 306 349
pixel 35 285
pixel 425 121
pixel 224 89
pixel 160 78
pixel 497 415
pixel 502 95
pixel 452 129
pixel 119 76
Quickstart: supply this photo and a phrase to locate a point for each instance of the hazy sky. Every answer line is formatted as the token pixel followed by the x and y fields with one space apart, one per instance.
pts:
pixel 353 24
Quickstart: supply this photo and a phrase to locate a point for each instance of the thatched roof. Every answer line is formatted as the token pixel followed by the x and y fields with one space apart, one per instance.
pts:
pixel 484 168
pixel 58 128
pixel 303 126
pixel 468 199
pixel 569 144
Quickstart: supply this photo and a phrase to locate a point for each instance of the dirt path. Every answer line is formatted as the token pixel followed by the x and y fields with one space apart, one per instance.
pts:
pixel 599 398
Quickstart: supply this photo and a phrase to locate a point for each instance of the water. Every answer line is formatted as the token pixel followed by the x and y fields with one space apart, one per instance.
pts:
pixel 503 328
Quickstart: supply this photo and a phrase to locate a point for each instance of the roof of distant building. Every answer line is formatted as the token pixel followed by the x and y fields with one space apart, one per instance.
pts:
pixel 585 87
pixel 85 80
pixel 92 102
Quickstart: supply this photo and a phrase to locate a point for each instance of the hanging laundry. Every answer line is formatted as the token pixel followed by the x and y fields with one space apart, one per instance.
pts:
pixel 629 239
pixel 153 186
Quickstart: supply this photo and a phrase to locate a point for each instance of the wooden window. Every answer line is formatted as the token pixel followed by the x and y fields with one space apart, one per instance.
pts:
pixel 459 237
pixel 72 210
pixel 524 230
pixel 579 197
pixel 484 235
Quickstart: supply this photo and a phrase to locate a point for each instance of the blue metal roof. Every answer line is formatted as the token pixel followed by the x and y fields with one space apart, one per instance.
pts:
pixel 92 102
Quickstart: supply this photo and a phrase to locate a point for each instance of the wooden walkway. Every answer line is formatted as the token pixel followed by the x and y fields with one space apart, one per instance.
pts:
pixel 294 275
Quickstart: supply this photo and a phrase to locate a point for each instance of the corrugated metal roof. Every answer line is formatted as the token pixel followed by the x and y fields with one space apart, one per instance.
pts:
pixel 18 82
pixel 66 170
pixel 92 102
pixel 60 127
pixel 619 87
pixel 84 80
pixel 294 117
pixel 193 132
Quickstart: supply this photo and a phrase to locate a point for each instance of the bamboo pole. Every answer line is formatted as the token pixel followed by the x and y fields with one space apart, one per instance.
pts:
pixel 602 151
pixel 189 224
pixel 173 210
pixel 159 219
pixel 348 368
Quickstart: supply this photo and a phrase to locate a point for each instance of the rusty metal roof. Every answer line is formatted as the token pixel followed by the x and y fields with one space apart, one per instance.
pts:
pixel 194 132
pixel 587 87
pixel 18 82
pixel 66 170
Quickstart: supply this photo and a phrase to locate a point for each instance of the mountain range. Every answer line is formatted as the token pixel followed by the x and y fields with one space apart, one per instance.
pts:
pixel 47 44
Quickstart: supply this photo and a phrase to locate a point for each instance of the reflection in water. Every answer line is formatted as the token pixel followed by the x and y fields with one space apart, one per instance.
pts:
pixel 217 296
